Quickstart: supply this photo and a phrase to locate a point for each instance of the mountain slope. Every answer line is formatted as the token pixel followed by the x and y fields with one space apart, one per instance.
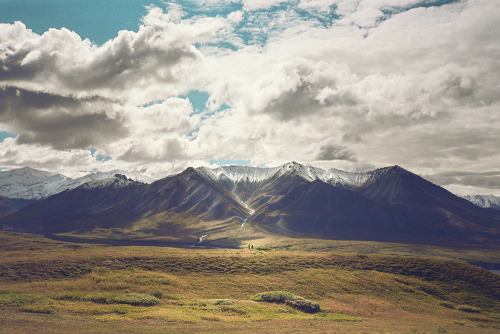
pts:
pixel 32 184
pixel 28 183
pixel 319 210
pixel 397 185
pixel 484 201
pixel 6 207
pixel 388 204
pixel 121 205
pixel 392 205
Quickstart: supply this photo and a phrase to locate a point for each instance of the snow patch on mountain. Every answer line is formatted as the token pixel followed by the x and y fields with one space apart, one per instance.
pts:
pixel 238 173
pixel 332 176
pixel 107 175
pixel 29 183
pixel 32 184
pixel 117 181
pixel 484 201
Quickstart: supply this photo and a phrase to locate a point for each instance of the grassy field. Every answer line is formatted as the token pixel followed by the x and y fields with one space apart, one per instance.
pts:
pixel 55 287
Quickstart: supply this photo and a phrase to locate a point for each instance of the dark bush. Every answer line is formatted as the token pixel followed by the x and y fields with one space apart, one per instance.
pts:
pixel 274 297
pixel 135 299
pixel 289 299
pixel 37 309
pixel 304 305
pixel 468 308
pixel 157 294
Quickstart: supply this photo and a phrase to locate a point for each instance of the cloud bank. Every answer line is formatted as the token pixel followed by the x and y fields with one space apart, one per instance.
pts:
pixel 338 83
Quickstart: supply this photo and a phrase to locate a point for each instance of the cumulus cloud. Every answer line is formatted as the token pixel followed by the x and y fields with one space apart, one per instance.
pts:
pixel 59 121
pixel 488 181
pixel 251 5
pixel 346 84
pixel 335 152
pixel 59 60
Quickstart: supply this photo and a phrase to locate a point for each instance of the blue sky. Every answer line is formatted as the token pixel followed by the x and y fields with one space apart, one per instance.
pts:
pixel 163 85
pixel 94 19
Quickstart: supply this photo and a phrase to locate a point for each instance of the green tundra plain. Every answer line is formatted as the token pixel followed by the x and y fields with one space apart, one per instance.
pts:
pixel 280 286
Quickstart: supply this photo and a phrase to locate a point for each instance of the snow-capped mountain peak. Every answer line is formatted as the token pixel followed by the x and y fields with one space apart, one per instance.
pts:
pixel 238 173
pixel 29 183
pixel 308 173
pixel 32 184
pixel 484 201
pixel 117 181
pixel 332 176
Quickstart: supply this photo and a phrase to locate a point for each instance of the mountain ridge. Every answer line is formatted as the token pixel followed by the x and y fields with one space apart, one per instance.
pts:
pixel 31 184
pixel 387 204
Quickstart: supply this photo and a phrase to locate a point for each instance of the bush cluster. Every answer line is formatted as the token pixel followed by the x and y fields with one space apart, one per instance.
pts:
pixel 37 309
pixel 135 299
pixel 283 297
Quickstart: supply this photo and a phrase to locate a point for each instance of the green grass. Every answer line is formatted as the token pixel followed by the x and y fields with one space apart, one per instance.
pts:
pixel 135 299
pixel 141 289
pixel 37 309
pixel 283 297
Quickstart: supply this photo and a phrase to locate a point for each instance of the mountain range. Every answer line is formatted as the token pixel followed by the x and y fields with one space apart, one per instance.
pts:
pixel 31 184
pixel 484 201
pixel 237 202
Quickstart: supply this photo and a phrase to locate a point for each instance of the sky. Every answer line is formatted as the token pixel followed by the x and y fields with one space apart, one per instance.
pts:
pixel 158 86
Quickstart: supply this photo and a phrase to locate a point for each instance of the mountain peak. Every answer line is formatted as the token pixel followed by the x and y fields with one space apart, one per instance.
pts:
pixel 395 170
pixel 295 168
pixel 484 201
pixel 116 181
pixel 189 172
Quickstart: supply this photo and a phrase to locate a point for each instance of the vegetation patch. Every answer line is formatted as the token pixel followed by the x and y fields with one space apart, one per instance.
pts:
pixel 134 299
pixel 16 298
pixel 288 298
pixel 157 294
pixel 232 309
pixel 447 305
pixel 37 309
pixel 468 309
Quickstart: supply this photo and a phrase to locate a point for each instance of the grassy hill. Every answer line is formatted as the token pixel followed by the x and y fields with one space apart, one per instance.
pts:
pixel 55 287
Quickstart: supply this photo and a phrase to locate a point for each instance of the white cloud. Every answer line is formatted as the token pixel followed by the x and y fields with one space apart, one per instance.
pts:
pixel 131 65
pixel 235 17
pixel 252 5
pixel 386 84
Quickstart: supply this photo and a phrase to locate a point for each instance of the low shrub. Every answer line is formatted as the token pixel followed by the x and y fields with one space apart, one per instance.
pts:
pixel 232 309
pixel 468 308
pixel 37 309
pixel 304 305
pixel 13 298
pixel 135 299
pixel 223 302
pixel 447 305
pixel 157 294
pixel 274 297
pixel 70 296
pixel 283 297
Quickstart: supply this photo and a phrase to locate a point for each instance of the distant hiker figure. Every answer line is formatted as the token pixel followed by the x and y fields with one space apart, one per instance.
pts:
pixel 248 246
pixel 252 246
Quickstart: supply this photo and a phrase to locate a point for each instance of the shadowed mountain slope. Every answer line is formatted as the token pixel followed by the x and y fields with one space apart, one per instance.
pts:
pixel 388 204
pixel 392 205
pixel 119 204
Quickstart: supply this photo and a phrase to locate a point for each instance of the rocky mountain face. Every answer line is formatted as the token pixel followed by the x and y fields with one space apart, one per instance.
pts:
pixel 31 184
pixel 484 201
pixel 121 202
pixel 388 204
